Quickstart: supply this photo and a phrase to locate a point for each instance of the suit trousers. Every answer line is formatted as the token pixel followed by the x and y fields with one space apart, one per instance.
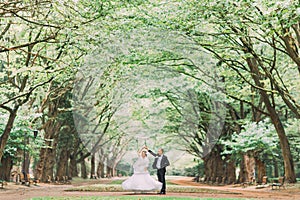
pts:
pixel 161 178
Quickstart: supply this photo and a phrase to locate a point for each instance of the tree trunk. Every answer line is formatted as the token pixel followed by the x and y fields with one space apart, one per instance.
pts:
pixel 261 170
pixel 254 63
pixel 114 169
pixel 286 152
pixel 115 172
pixel 26 157
pixel 242 174
pixel 109 171
pixel 73 170
pixel 5 167
pixel 214 165
pixel 26 162
pixel 284 144
pixel 46 163
pixel 83 169
pixel 5 135
pixel 93 166
pixel 40 164
pixel 100 170
pixel 276 171
pixel 62 164
pixel 247 169
pixel 230 172
pixel 49 165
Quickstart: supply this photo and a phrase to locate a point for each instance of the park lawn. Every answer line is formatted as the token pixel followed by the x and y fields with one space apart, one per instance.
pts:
pixel 171 188
pixel 116 182
pixel 120 181
pixel 128 198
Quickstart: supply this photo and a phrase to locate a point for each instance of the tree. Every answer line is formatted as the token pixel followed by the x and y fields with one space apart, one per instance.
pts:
pixel 43 42
pixel 241 36
pixel 21 146
pixel 257 141
pixel 293 132
pixel 243 39
pixel 26 59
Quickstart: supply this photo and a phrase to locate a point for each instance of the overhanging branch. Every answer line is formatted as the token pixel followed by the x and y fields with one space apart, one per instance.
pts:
pixel 26 95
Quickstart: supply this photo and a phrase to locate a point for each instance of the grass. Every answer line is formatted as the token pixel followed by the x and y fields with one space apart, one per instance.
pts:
pixel 120 181
pixel 113 198
pixel 116 182
pixel 171 188
pixel 129 198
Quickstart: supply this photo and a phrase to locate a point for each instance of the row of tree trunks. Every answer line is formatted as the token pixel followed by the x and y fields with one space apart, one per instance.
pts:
pixel 215 167
pixel 66 165
pixel 100 172
pixel 250 165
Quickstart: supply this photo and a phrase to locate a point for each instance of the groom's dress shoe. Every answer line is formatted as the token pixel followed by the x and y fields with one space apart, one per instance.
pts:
pixel 161 193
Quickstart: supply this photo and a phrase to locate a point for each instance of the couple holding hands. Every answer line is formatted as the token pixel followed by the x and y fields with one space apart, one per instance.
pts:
pixel 141 179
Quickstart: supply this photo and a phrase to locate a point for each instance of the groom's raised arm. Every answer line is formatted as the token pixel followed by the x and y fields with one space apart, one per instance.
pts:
pixel 152 153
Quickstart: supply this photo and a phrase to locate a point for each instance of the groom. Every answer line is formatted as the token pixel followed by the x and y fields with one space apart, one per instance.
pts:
pixel 160 163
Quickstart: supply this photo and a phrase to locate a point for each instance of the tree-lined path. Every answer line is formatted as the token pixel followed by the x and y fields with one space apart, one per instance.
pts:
pixel 84 84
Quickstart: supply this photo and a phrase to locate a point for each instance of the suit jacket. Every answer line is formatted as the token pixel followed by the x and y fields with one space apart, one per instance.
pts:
pixel 164 160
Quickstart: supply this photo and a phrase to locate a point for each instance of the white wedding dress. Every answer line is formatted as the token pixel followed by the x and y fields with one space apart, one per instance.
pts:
pixel 141 179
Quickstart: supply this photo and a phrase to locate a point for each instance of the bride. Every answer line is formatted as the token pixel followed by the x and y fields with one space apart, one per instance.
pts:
pixel 141 179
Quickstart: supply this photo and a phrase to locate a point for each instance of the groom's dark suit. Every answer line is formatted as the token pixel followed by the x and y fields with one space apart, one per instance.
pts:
pixel 161 171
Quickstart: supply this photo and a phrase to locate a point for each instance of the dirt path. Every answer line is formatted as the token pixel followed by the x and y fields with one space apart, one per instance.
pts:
pixel 45 190
pixel 291 192
pixel 19 192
